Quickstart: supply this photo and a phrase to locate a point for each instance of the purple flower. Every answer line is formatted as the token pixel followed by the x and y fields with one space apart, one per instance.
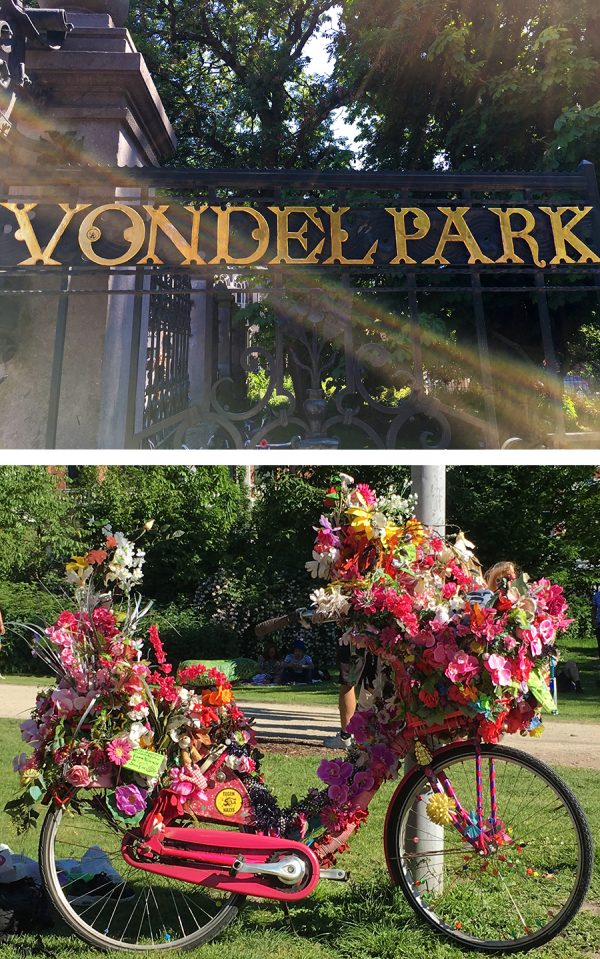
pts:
pixel 363 781
pixel 334 772
pixel 130 800
pixel 382 760
pixel 327 770
pixel 359 726
pixel 339 794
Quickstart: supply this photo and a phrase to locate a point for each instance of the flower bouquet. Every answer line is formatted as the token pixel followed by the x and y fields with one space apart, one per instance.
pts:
pixel 118 722
pixel 446 644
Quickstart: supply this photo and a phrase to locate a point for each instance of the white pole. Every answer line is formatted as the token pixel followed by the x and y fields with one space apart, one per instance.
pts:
pixel 429 483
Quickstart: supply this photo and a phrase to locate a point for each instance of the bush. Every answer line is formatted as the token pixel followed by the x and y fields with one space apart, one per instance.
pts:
pixel 25 603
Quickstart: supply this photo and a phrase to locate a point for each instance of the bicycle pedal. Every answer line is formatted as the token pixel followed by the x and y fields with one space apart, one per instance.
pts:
pixel 335 875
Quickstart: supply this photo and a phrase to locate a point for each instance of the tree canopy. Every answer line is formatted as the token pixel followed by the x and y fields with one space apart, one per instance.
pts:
pixel 505 84
pixel 233 79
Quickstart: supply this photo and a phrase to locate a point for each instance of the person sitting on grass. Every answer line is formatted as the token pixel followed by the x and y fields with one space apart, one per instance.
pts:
pixel 270 664
pixel 297 665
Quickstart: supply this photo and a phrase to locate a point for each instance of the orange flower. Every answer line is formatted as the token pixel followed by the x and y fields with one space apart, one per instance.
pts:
pixel 96 556
pixel 218 697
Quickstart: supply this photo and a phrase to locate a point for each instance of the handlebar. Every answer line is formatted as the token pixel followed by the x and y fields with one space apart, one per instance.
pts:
pixel 280 622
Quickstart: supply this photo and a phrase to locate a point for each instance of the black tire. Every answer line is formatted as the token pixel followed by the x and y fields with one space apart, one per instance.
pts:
pixel 397 835
pixel 97 937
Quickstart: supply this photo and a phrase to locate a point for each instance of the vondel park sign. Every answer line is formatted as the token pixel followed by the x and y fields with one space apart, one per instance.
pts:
pixel 175 235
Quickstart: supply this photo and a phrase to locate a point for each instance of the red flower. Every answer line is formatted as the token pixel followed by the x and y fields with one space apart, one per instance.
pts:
pixel 157 646
pixel 431 699
pixel 491 730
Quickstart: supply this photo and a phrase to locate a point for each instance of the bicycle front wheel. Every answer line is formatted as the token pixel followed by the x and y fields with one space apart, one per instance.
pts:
pixel 529 884
pixel 113 905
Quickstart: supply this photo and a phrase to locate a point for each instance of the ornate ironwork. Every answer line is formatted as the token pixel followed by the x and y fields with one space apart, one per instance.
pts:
pixel 22 28
pixel 345 353
pixel 167 355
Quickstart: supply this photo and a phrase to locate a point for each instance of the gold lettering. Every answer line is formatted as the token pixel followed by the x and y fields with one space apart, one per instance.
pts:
pixel 339 237
pixel 563 234
pixel 158 221
pixel 462 234
pixel 89 234
pixel 284 234
pixel 509 234
pixel 26 233
pixel 260 233
pixel 421 224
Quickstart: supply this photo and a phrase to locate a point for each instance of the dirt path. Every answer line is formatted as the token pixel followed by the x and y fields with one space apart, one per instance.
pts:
pixel 562 744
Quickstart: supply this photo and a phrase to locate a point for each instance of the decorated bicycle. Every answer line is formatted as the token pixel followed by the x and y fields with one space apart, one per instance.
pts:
pixel 152 781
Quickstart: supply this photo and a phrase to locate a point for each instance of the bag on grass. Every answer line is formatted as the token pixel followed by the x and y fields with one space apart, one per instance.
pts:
pixel 23 907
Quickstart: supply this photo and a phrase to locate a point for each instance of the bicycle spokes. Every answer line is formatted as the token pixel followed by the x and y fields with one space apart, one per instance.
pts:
pixel 497 855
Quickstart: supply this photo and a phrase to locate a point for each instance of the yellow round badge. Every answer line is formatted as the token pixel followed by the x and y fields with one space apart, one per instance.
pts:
pixel 228 802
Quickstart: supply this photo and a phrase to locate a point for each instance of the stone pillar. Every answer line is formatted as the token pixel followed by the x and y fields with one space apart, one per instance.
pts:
pixel 99 96
pixel 98 89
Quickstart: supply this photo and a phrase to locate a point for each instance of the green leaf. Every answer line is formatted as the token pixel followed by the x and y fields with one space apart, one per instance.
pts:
pixel 538 686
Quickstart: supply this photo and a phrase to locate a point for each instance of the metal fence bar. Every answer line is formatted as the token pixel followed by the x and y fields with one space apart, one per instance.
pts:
pixel 58 359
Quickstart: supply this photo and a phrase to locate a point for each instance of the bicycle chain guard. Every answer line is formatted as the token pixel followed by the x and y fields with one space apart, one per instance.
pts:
pixel 214 858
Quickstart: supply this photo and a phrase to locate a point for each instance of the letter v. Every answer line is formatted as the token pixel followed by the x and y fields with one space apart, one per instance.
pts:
pixel 26 233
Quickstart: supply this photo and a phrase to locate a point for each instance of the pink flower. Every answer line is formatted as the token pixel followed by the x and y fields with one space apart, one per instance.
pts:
pixel 78 776
pixel 119 751
pixel 359 726
pixel 547 631
pixel 499 668
pixel 367 494
pixel 531 637
pixel 103 776
pixel 382 761
pixel 424 638
pixel 462 667
pixel 130 800
pixel 188 782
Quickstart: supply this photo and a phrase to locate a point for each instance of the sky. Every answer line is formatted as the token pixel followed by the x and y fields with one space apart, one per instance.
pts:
pixel 320 63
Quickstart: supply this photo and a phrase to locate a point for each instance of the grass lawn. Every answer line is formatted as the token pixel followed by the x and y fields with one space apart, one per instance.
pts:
pixel 42 681
pixel 317 694
pixel 364 919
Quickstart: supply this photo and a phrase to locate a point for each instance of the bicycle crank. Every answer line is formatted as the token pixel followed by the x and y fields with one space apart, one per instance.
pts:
pixel 253 865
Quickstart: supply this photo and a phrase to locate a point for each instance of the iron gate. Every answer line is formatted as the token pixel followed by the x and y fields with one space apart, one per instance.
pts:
pixel 410 354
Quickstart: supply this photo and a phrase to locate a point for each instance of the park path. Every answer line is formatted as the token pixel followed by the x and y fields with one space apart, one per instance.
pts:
pixel 563 744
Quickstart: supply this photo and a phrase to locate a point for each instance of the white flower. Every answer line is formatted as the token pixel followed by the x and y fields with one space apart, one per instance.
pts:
pixel 140 734
pixel 330 603
pixel 463 547
pixel 320 565
pixel 442 615
pixel 138 713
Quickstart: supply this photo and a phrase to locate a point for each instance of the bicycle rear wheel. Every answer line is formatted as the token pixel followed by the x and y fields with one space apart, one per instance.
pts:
pixel 513 898
pixel 113 905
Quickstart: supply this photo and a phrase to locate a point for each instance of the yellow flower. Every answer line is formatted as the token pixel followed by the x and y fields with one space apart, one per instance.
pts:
pixel 439 809
pixel 77 563
pixel 28 776
pixel 537 730
pixel 360 520
pixel 414 531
